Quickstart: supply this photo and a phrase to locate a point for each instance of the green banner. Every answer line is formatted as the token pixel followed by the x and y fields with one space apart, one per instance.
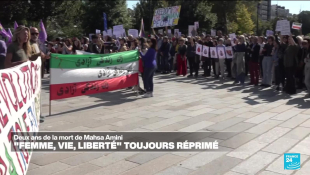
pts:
pixel 93 60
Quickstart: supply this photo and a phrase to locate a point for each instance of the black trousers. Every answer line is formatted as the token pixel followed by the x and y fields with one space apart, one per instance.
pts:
pixel 280 74
pixel 290 86
pixel 213 66
pixel 207 66
pixel 228 66
pixel 193 65
pixel 47 66
pixel 300 76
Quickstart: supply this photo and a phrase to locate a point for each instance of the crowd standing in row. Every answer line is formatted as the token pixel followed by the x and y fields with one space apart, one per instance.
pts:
pixel 280 60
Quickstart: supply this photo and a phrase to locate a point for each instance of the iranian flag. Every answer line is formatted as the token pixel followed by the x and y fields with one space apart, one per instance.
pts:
pixel 296 26
pixel 76 75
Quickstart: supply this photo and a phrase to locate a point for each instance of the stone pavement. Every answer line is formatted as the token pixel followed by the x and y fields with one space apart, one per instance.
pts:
pixel 269 125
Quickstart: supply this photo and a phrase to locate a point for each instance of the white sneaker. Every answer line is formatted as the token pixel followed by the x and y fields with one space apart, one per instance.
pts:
pixel 147 95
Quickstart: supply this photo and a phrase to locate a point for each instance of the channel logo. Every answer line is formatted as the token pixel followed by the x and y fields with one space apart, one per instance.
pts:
pixel 291 161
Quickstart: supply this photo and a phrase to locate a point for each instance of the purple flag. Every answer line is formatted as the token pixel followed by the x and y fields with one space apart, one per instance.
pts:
pixel 42 33
pixel 3 32
pixel 15 25
pixel 11 36
pixel 141 34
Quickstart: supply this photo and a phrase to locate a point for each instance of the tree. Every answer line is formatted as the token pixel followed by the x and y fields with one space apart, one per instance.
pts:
pixel 304 18
pixel 243 20
pixel 116 11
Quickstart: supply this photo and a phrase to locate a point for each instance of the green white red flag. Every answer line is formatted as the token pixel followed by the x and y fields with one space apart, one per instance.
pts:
pixel 76 75
pixel 296 26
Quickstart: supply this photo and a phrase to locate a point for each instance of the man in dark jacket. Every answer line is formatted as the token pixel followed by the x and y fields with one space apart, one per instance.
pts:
pixel 254 61
pixel 165 55
pixel 207 60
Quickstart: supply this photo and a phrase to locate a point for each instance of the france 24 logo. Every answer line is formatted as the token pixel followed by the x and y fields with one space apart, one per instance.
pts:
pixel 291 161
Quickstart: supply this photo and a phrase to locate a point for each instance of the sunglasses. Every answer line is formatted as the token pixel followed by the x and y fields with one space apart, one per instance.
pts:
pixel 34 33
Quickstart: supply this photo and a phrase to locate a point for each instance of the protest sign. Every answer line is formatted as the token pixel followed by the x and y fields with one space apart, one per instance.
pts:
pixel 76 75
pixel 213 32
pixel 196 24
pixel 213 52
pixel 176 32
pixel 205 52
pixel 133 32
pixel 98 31
pixel 279 25
pixel 191 30
pixel 104 33
pixel 296 26
pixel 229 52
pixel 285 29
pixel 269 33
pixel 110 33
pixel 20 89
pixel 221 52
pixel 169 32
pixel 168 16
pixel 198 49
pixel 180 34
pixel 233 38
pixel 161 31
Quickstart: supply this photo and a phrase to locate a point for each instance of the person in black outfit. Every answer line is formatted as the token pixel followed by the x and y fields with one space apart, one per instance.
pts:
pixel 302 54
pixel 207 60
pixel 191 53
pixel 165 55
pixel 93 47
pixel 228 60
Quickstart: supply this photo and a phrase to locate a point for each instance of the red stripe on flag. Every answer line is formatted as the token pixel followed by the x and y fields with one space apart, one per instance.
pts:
pixel 61 91
pixel 296 27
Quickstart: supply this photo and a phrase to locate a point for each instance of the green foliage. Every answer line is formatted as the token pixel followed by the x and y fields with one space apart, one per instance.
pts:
pixel 243 20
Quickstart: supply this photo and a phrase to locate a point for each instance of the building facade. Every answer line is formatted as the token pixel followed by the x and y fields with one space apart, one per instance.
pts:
pixel 280 12
pixel 264 10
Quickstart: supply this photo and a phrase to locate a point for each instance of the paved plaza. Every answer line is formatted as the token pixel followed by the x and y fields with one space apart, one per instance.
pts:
pixel 266 123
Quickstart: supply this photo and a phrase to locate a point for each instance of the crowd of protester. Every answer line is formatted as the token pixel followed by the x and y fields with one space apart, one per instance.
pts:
pixel 282 61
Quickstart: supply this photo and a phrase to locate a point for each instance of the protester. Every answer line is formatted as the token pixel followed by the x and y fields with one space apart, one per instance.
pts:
pixel 85 42
pixel 267 62
pixel 19 50
pixel 307 74
pixel 207 62
pixel 191 56
pixel 290 64
pixel 3 49
pixel 76 46
pixel 254 61
pixel 220 63
pixel 123 46
pixel 50 48
pixel 172 55
pixel 261 43
pixel 149 62
pixel 302 54
pixel 93 47
pixel 239 60
pixel 165 55
pixel 228 60
pixel 67 47
pixel 181 58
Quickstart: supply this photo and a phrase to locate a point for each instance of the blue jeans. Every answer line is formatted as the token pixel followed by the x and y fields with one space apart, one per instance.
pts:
pixel 148 74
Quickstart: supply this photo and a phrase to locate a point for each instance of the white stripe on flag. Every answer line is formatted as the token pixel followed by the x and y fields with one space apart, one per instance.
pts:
pixel 92 74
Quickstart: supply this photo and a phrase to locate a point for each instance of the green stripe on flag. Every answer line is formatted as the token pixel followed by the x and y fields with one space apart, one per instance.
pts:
pixel 94 60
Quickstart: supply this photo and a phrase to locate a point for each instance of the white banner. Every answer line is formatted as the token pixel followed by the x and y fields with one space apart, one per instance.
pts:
pixel 221 52
pixel 133 32
pixel 205 52
pixel 198 49
pixel 81 52
pixel 229 52
pixel 213 32
pixel 20 89
pixel 213 52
